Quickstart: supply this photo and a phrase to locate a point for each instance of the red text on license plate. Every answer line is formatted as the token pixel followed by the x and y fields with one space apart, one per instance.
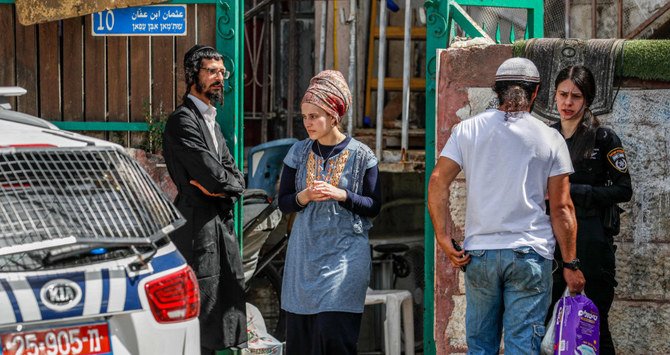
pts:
pixel 80 340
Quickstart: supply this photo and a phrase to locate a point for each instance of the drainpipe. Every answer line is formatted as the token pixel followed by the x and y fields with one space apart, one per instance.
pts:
pixel 381 72
pixel 292 68
pixel 406 81
pixel 353 69
pixel 322 36
pixel 567 18
pixel 266 70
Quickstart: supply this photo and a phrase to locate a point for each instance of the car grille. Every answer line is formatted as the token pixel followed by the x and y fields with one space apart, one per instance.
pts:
pixel 97 195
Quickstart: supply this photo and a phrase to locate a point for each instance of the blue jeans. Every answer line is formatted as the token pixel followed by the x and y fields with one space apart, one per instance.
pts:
pixel 510 289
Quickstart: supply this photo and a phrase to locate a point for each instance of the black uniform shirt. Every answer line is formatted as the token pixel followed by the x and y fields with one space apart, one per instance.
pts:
pixel 590 186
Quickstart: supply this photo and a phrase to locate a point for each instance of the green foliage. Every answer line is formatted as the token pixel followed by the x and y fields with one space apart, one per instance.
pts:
pixel 518 48
pixel 153 139
pixel 119 137
pixel 647 59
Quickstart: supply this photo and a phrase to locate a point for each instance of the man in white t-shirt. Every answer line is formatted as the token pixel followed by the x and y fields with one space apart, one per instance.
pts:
pixel 511 162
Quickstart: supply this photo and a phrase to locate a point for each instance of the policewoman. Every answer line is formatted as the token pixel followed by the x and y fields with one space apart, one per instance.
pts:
pixel 600 180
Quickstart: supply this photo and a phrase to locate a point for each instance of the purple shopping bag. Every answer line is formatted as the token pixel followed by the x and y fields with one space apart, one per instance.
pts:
pixel 577 326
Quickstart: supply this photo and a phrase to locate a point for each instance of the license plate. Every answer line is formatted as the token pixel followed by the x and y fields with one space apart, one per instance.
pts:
pixel 87 339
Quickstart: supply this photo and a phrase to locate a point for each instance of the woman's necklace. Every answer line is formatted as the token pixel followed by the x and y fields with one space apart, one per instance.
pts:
pixel 325 161
pixel 321 173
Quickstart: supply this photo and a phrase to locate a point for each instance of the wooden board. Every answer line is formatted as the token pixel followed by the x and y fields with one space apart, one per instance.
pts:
pixel 117 85
pixel 7 54
pixel 38 11
pixel 162 72
pixel 73 69
pixel 117 78
pixel 207 25
pixel 95 108
pixel 140 84
pixel 26 68
pixel 49 71
pixel 183 44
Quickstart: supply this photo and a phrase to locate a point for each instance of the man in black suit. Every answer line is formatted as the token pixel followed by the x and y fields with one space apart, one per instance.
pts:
pixel 208 184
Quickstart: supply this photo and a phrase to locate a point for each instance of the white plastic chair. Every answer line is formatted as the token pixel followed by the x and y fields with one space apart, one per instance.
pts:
pixel 393 300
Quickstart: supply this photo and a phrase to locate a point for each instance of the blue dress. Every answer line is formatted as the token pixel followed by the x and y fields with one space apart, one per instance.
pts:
pixel 328 258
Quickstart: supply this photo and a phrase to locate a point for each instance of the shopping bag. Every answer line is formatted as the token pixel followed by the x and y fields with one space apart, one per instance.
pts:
pixel 577 326
pixel 259 340
pixel 547 347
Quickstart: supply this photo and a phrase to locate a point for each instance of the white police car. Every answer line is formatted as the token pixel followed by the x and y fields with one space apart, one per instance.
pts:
pixel 86 265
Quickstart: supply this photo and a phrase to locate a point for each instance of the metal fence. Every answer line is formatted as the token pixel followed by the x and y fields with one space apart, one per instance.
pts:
pixel 588 19
pixel 56 197
pixel 600 18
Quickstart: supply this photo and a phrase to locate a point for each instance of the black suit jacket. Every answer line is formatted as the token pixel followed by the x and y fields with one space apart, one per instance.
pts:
pixel 208 240
pixel 190 155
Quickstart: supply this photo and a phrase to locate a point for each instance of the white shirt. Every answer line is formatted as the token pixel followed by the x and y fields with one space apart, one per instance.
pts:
pixel 208 112
pixel 507 162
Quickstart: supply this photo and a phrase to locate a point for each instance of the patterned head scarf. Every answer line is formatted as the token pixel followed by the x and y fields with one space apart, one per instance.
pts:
pixel 329 91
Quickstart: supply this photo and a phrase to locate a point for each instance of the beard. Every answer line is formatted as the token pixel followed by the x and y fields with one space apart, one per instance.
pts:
pixel 214 95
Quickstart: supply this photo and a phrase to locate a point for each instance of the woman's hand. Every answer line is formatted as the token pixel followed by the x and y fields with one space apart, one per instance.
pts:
pixel 329 191
pixel 310 194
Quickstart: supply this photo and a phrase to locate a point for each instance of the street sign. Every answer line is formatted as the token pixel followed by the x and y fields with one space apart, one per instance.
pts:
pixel 38 11
pixel 155 20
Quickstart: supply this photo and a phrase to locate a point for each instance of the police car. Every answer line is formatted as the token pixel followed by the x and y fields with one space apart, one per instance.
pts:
pixel 86 264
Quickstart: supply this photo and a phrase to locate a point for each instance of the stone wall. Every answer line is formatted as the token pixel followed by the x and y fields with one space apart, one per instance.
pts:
pixel 640 316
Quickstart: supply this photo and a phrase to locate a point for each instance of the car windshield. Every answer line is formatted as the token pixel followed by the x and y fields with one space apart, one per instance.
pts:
pixel 78 199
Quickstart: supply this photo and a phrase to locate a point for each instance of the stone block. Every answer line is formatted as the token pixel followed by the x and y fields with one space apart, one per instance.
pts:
pixel 456 328
pixel 649 107
pixel 643 272
pixel 457 201
pixel 647 216
pixel 645 144
pixel 640 327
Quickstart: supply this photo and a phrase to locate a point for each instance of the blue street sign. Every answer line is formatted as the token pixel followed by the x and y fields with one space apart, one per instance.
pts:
pixel 155 20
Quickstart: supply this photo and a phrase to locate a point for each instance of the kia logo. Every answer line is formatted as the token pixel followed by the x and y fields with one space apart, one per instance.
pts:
pixel 61 294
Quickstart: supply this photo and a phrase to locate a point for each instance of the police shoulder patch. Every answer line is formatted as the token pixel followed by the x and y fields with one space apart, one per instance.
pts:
pixel 617 157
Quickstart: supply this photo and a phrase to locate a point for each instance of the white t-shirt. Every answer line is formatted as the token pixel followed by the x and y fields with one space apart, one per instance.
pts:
pixel 507 161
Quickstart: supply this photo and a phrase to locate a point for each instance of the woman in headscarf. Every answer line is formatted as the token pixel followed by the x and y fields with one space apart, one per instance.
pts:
pixel 330 180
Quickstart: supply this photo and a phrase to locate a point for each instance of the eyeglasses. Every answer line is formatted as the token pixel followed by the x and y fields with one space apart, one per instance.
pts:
pixel 216 71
